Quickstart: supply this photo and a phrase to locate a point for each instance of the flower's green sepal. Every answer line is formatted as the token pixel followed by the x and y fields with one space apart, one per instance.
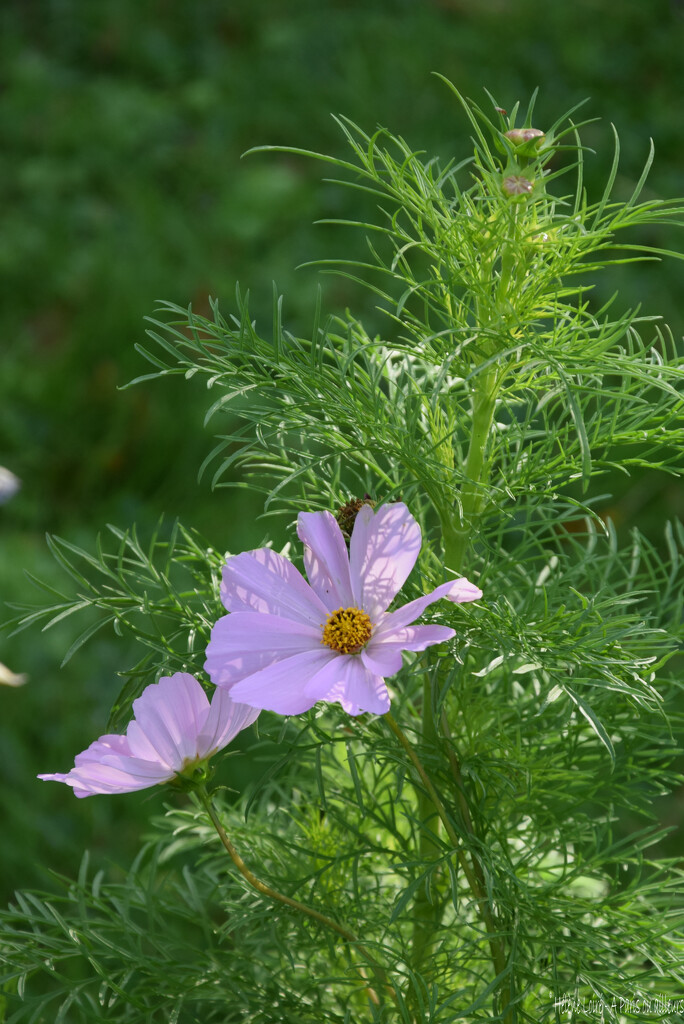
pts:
pixel 193 777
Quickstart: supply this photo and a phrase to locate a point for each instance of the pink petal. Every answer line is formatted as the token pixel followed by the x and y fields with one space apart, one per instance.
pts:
pixel 141 746
pixel 137 770
pixel 224 721
pixel 346 680
pixel 383 654
pixel 458 591
pixel 243 643
pixel 417 638
pixel 462 591
pixel 325 559
pixel 282 687
pixel 168 718
pixel 55 776
pixel 109 744
pixel 264 581
pixel 91 779
pixel 383 550
pixel 382 659
pixel 410 638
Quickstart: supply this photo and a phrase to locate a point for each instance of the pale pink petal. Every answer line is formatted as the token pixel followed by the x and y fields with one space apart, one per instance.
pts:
pixel 148 773
pixel 346 680
pixel 224 721
pixel 168 717
pixel 140 746
pixel 413 638
pixel 282 687
pixel 325 559
pixel 91 779
pixel 383 656
pixel 108 744
pixel 458 591
pixel 243 643
pixel 55 776
pixel 264 581
pixel 382 659
pixel 462 591
pixel 226 672
pixel 383 549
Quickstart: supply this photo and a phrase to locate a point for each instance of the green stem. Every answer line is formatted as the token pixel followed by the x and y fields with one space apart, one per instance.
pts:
pixel 267 890
pixel 461 796
pixel 457 532
pixel 458 778
pixel 472 875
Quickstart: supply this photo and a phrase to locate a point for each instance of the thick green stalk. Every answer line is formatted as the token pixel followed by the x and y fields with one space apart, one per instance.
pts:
pixel 456 538
pixel 457 530
pixel 273 894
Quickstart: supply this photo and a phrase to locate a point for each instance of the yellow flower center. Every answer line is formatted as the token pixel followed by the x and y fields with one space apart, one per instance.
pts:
pixel 347 630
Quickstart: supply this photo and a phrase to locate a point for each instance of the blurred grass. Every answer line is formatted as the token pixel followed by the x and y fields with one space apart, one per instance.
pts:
pixel 122 127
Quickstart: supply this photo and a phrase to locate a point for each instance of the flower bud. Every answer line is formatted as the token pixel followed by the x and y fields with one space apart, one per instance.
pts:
pixel 516 185
pixel 519 136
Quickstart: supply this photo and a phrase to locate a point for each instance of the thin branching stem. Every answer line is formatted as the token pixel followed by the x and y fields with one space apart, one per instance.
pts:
pixel 302 908
pixel 425 909
pixel 458 777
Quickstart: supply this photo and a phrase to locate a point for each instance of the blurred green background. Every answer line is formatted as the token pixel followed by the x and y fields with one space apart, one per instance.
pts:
pixel 122 125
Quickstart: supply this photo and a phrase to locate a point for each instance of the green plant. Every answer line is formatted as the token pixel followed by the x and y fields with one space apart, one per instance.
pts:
pixel 464 857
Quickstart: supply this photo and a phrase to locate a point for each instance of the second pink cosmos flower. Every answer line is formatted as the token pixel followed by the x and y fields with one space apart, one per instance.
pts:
pixel 288 644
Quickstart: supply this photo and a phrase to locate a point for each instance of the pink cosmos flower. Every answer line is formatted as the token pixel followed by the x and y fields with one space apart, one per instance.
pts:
pixel 174 727
pixel 288 644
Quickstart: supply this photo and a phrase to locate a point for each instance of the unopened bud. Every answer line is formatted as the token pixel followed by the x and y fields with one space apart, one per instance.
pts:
pixel 346 514
pixel 516 185
pixel 519 136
